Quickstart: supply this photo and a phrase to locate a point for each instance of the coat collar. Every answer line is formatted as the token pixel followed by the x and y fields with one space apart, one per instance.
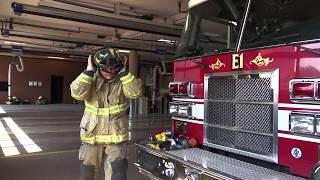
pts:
pixel 100 81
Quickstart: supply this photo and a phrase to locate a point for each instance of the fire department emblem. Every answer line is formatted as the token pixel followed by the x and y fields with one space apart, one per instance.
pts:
pixel 296 152
pixel 168 169
pixel 217 65
pixel 260 61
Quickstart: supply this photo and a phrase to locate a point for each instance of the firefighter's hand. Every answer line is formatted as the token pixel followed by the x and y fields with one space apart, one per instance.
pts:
pixel 90 66
pixel 123 71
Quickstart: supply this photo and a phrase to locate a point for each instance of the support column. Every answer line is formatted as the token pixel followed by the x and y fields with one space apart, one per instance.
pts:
pixel 133 63
pixel 133 68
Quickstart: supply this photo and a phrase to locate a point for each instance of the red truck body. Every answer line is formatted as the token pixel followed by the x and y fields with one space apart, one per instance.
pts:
pixel 291 62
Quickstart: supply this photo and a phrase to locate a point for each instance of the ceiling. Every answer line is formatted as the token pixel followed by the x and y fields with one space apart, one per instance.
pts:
pixel 67 37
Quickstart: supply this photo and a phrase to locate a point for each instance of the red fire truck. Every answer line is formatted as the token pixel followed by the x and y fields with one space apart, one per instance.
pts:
pixel 247 88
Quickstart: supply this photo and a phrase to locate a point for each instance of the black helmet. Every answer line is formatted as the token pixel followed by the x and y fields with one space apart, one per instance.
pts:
pixel 107 57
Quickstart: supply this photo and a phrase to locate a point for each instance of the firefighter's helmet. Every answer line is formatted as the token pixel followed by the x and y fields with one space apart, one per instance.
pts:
pixel 107 57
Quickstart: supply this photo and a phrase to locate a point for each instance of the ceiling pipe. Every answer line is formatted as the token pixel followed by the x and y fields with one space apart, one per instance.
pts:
pixel 119 45
pixel 68 59
pixel 43 57
pixel 80 31
pixel 45 27
pixel 26 49
pixel 98 7
pixel 112 20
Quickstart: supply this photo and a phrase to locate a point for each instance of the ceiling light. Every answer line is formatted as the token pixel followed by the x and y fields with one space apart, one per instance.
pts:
pixel 193 3
pixel 164 40
pixel 123 51
pixel 62 50
pixel 167 41
pixel 14 43
pixel 55 57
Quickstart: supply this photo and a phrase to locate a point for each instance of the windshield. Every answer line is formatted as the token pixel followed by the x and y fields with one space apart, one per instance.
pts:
pixel 211 27
pixel 276 22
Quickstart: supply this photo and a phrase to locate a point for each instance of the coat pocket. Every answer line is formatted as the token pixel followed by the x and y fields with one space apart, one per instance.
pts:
pixel 88 122
pixel 120 124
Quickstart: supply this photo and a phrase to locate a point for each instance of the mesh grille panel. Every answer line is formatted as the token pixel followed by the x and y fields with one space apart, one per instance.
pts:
pixel 221 89
pixel 240 140
pixel 239 113
pixel 255 89
pixel 220 136
pixel 221 113
pixel 255 117
pixel 254 143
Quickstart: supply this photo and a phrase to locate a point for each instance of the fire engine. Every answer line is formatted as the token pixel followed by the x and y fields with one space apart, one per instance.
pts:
pixel 247 88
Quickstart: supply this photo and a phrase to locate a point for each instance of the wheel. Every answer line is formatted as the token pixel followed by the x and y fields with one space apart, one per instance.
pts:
pixel 316 173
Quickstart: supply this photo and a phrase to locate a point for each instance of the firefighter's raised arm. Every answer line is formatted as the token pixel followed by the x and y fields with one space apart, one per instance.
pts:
pixel 131 85
pixel 81 86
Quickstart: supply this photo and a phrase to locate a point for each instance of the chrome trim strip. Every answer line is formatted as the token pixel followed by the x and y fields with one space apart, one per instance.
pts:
pixel 275 86
pixel 147 173
pixel 241 102
pixel 188 120
pixel 303 106
pixel 239 130
pixel 300 138
pixel 189 100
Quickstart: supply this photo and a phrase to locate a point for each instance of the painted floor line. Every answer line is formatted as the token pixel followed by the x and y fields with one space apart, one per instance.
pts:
pixel 40 154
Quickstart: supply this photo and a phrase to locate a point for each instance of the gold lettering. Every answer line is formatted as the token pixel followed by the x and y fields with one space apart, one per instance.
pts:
pixel 237 61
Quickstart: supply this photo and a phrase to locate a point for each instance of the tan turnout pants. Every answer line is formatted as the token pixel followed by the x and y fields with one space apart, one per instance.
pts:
pixel 113 155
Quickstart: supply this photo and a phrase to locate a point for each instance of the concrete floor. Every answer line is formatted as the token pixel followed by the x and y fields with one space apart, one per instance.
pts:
pixel 55 129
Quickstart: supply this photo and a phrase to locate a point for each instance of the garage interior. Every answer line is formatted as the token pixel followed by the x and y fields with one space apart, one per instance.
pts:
pixel 230 89
pixel 44 46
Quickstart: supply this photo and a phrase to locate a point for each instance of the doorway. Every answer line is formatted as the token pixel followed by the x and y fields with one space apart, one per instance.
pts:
pixel 56 89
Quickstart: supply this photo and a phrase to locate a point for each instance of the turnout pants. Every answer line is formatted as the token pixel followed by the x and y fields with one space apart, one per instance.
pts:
pixel 114 157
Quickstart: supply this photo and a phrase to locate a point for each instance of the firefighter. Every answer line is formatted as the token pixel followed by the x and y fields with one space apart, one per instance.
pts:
pixel 105 87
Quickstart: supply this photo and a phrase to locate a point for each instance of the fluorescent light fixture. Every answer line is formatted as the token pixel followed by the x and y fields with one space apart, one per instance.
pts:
pixel 55 57
pixel 2 111
pixel 164 40
pixel 23 138
pixel 123 51
pixel 7 145
pixel 167 41
pixel 62 50
pixel 14 43
pixel 193 3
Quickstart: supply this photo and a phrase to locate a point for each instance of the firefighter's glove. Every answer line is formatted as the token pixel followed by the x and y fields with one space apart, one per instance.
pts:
pixel 123 71
pixel 154 146
pixel 161 137
pixel 90 66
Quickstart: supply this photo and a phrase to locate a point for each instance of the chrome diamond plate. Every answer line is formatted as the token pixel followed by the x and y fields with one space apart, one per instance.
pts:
pixel 229 165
